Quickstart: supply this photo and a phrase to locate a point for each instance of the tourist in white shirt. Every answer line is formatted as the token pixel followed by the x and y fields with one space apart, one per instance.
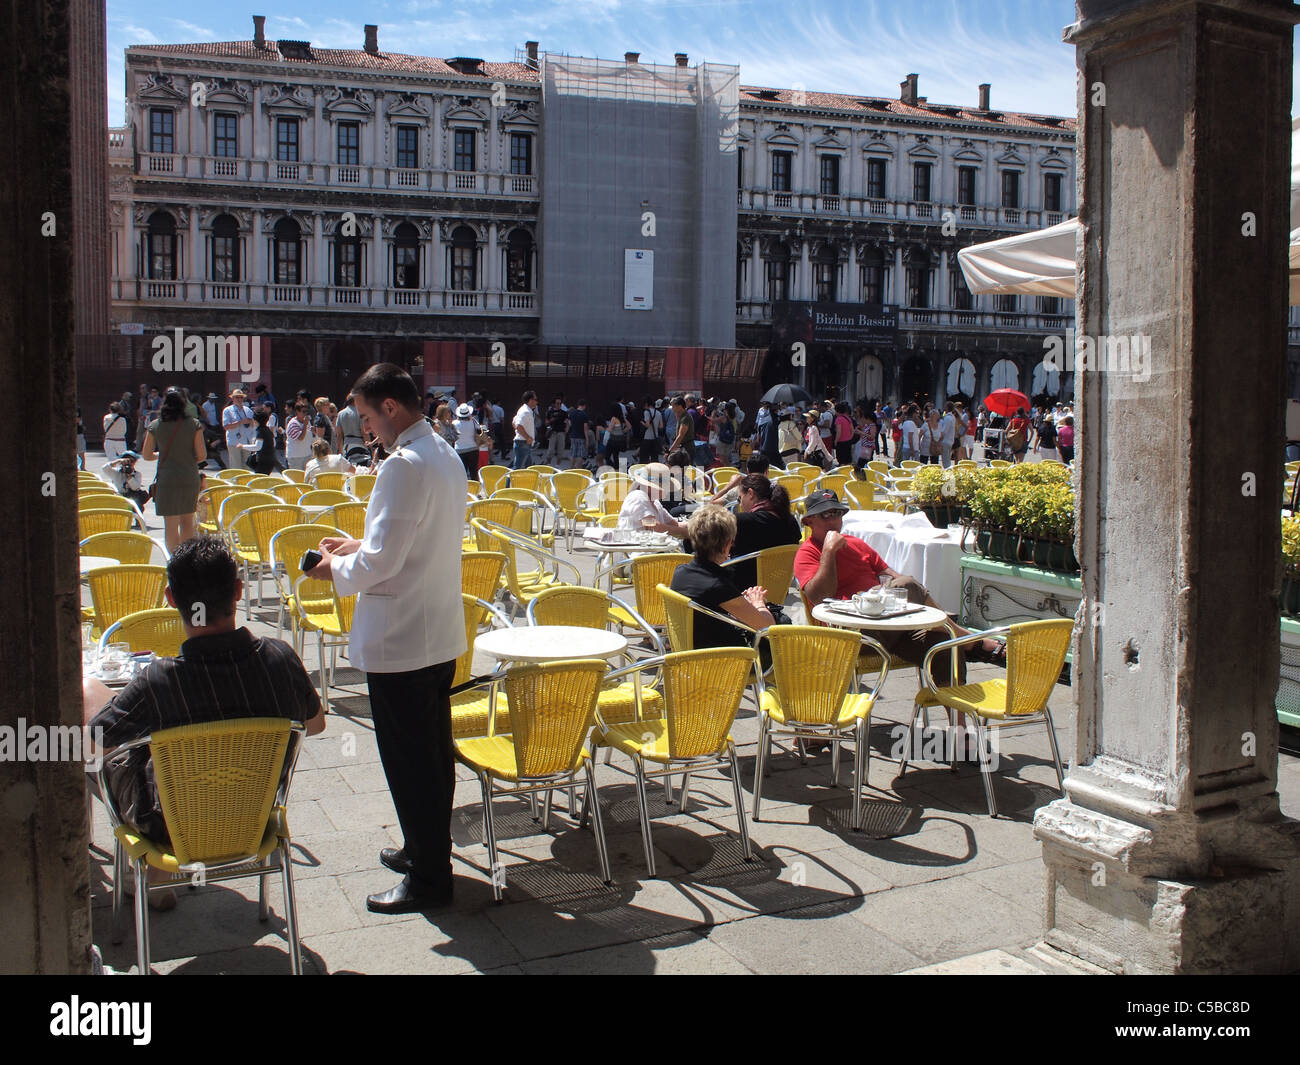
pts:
pixel 642 508
pixel 947 434
pixel 114 432
pixel 298 437
pixel 909 441
pixel 325 461
pixel 241 428
pixel 408 628
pixel 525 431
pixel 467 449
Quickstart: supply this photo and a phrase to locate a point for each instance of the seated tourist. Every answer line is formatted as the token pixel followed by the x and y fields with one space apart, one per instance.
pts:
pixel 222 673
pixel 764 521
pixel 643 508
pixel 831 564
pixel 703 580
pixel 728 495
pixel 325 461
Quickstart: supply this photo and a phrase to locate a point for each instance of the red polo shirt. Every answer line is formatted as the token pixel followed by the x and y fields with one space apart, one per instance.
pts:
pixel 857 566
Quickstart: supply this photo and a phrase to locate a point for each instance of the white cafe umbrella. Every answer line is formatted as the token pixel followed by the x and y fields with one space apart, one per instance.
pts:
pixel 1041 262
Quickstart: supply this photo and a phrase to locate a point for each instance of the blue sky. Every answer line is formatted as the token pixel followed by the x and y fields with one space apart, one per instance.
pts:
pixel 855 46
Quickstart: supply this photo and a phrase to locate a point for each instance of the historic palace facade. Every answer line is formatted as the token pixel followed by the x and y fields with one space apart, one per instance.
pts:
pixel 354 205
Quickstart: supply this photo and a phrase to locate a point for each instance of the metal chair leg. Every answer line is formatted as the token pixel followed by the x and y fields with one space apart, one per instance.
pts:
pixel 684 795
pixel 646 839
pixel 324 679
pixel 290 907
pixel 907 740
pixel 546 811
pixel 142 916
pixel 861 759
pixel 986 769
pixel 119 891
pixel 593 795
pixel 263 909
pixel 495 871
pixel 835 764
pixel 740 805
pixel 760 761
pixel 1056 753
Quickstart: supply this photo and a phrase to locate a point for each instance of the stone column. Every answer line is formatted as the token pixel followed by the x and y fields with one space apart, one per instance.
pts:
pixel 196 271
pixel 805 272
pixel 1169 853
pixel 378 268
pixel 493 270
pixel 757 278
pixel 900 279
pixel 55 50
pixel 318 274
pixel 434 278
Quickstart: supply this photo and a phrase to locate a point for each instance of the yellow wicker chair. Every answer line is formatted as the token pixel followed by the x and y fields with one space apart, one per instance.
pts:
pixel 289 491
pixel 333 627
pixel 795 487
pixel 351 518
pixel 286 550
pixel 264 483
pixel 644 573
pixel 566 489
pixel 209 505
pixel 524 584
pixel 129 548
pixel 325 497
pixel 678 611
pixel 775 569
pixel 1036 652
pixel 234 505
pixel 118 591
pixel 296 476
pixel 160 631
pixel 590 608
pixel 492 477
pixel 223 787
pixel 251 532
pixel 900 502
pixel 500 511
pixel 814 695
pixel 331 481
pixel 869 661
pixel 95 488
pixel 701 694
pixel 543 469
pixel 913 464
pixel 482 574
pixel 362 484
pixel 240 476
pixel 101 520
pixel 996 464
pixel 835 482
pixel 112 501
pixel 470 708
pixel 722 475
pixel 552 709
pixel 526 478
pixel 862 495
pixel 534 510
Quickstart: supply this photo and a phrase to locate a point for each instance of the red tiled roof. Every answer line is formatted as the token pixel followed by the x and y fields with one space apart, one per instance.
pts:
pixel 881 105
pixel 387 62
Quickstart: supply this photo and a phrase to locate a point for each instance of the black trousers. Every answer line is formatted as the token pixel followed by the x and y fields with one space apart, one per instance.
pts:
pixel 412 716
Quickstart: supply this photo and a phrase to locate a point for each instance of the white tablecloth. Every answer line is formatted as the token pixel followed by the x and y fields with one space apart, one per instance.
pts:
pixel 911 545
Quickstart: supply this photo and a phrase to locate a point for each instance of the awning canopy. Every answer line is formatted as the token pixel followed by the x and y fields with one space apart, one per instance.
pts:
pixel 1041 263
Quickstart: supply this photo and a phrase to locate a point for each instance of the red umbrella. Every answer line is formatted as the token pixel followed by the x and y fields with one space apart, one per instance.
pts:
pixel 1006 401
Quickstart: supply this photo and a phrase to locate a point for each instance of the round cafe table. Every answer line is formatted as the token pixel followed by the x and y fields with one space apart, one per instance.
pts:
pixel 928 617
pixel 90 562
pixel 549 643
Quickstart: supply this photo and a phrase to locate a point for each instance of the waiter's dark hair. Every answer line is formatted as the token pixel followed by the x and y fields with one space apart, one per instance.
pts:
pixel 386 380
pixel 202 570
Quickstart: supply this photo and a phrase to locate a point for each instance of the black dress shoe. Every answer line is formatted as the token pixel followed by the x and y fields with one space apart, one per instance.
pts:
pixel 395 859
pixel 406 898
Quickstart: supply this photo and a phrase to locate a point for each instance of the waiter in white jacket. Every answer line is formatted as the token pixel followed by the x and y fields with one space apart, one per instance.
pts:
pixel 409 628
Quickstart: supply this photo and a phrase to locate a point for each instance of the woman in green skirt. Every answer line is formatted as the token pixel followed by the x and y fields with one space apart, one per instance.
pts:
pixel 178 443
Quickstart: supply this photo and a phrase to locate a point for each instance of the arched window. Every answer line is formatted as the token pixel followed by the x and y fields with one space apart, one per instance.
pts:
pixel 225 249
pixel 406 256
pixel 287 244
pixel 961 379
pixel 825 273
pixel 871 378
pixel 778 272
pixel 162 246
pixel 1005 375
pixel 347 261
pixel 519 262
pixel 464 260
pixel 1046 381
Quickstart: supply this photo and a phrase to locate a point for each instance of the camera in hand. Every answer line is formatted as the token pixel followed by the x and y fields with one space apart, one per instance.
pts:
pixel 310 560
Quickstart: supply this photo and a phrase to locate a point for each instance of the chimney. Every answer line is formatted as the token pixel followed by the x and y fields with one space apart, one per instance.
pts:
pixel 259 31
pixel 532 53
pixel 631 57
pixel 908 87
pixel 681 58
pixel 372 40
pixel 984 96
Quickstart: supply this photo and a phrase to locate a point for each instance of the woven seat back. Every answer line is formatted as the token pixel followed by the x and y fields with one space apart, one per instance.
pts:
pixel 552 708
pixel 160 631
pixel 1036 652
pixel 812 669
pixel 481 572
pixel 120 590
pixel 702 692
pixel 648 572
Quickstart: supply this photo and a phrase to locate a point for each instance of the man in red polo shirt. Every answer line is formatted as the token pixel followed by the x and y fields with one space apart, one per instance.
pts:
pixel 832 565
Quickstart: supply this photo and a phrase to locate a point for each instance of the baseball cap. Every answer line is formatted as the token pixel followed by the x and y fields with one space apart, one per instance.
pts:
pixel 823 501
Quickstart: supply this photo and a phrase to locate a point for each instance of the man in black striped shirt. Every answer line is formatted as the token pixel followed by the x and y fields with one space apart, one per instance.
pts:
pixel 223 673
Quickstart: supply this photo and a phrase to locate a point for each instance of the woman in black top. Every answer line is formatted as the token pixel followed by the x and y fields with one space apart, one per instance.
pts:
pixel 264 460
pixel 703 580
pixel 764 521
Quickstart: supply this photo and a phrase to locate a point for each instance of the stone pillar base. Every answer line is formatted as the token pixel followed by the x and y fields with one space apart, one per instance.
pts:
pixel 1107 907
